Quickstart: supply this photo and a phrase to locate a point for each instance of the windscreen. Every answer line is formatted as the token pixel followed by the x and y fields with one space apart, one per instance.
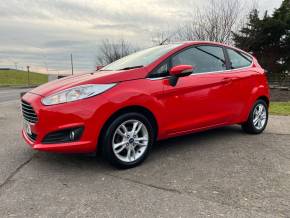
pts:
pixel 140 58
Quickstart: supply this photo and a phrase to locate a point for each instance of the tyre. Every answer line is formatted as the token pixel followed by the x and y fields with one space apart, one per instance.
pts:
pixel 258 118
pixel 127 140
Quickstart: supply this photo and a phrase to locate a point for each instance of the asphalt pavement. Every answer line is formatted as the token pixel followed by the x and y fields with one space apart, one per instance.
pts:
pixel 11 94
pixel 217 173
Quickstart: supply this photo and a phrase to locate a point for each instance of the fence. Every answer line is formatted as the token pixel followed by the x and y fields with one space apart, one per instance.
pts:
pixel 279 80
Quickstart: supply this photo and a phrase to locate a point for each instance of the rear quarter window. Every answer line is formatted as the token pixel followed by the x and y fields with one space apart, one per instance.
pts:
pixel 238 60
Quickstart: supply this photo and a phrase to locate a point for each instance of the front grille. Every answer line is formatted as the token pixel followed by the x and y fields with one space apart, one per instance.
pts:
pixel 28 112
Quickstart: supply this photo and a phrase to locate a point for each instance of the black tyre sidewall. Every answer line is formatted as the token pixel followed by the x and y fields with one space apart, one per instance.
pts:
pixel 249 125
pixel 107 147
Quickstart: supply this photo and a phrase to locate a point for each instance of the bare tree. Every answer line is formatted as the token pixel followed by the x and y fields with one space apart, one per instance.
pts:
pixel 163 37
pixel 214 22
pixel 159 38
pixel 110 51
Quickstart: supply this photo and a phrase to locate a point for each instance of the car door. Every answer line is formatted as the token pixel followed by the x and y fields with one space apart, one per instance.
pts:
pixel 202 99
pixel 243 78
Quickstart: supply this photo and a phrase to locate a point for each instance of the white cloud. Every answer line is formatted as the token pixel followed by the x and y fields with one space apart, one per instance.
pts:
pixel 43 33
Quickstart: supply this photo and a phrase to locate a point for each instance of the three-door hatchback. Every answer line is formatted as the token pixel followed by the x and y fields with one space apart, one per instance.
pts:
pixel 157 93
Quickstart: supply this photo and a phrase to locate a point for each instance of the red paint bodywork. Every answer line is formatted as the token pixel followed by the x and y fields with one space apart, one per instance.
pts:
pixel 197 102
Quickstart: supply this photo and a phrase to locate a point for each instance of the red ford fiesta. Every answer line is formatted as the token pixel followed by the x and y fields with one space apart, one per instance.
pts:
pixel 157 93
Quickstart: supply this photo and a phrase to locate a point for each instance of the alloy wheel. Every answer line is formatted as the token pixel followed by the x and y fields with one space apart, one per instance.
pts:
pixel 259 116
pixel 130 141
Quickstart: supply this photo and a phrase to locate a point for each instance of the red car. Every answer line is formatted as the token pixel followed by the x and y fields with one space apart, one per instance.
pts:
pixel 158 93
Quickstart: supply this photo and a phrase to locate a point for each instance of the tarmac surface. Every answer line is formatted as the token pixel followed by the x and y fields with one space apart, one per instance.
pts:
pixel 217 173
pixel 10 94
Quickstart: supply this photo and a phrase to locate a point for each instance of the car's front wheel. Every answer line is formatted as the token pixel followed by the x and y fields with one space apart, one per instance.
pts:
pixel 128 140
pixel 258 118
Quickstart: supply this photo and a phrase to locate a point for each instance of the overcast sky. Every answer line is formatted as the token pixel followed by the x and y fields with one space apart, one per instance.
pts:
pixel 43 33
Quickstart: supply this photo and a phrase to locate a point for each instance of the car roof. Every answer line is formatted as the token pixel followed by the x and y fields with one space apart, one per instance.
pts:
pixel 188 43
pixel 201 42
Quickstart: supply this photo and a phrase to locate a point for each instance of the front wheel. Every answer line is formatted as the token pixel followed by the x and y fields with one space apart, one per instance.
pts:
pixel 128 140
pixel 258 118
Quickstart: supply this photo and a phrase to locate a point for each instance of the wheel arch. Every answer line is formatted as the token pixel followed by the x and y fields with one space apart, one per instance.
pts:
pixel 264 98
pixel 260 92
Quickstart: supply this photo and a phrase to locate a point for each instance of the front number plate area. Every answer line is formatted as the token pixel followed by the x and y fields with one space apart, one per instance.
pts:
pixel 27 127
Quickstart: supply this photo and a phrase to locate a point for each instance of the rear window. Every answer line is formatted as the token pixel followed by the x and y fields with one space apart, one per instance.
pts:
pixel 238 60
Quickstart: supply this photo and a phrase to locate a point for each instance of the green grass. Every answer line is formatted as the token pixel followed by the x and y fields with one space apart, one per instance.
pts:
pixel 20 78
pixel 280 108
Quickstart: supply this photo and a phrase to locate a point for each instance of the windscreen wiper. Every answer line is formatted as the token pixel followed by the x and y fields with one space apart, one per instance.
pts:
pixel 134 67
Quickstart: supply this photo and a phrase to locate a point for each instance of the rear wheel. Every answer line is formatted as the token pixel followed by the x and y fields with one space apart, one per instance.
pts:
pixel 128 140
pixel 258 118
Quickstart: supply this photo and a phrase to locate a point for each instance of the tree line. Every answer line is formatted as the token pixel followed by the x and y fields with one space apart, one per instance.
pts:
pixel 268 39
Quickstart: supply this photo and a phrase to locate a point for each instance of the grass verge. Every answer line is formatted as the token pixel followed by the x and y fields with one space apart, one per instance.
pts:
pixel 280 108
pixel 20 78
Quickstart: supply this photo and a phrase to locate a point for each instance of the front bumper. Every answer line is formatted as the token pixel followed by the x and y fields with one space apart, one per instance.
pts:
pixel 86 113
pixel 68 147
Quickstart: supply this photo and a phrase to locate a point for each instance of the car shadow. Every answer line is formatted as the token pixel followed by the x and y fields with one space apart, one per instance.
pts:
pixel 170 146
pixel 198 136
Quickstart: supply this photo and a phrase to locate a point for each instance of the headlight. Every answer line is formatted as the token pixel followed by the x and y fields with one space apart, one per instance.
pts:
pixel 76 93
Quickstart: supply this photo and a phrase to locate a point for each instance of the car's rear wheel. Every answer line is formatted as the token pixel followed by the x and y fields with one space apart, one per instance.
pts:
pixel 258 118
pixel 128 140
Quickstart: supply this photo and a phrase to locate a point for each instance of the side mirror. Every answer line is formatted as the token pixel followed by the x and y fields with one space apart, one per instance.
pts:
pixel 179 71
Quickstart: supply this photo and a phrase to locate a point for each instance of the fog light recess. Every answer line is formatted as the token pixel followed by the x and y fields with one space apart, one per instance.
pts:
pixel 63 136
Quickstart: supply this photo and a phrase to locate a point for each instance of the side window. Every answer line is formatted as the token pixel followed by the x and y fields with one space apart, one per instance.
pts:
pixel 202 58
pixel 237 60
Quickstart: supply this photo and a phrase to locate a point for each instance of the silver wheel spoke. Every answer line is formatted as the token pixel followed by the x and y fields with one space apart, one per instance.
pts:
pixel 135 125
pixel 119 147
pixel 139 128
pixel 141 144
pixel 121 133
pixel 259 123
pixel 141 139
pixel 129 154
pixel 255 121
pixel 125 129
pixel 260 109
pixel 133 153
